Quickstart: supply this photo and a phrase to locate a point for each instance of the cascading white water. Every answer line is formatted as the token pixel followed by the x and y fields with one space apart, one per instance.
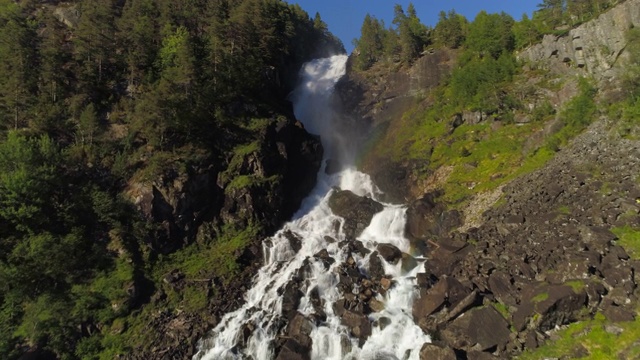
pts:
pixel 315 224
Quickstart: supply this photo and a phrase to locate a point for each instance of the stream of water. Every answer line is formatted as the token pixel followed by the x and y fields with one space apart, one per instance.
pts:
pixel 315 225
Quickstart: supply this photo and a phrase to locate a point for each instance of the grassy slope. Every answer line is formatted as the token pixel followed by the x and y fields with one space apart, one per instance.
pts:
pixel 482 156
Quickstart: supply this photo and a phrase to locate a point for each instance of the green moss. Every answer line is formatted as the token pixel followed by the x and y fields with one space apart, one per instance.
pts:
pixel 540 297
pixel 243 181
pixel 629 238
pixel 564 210
pixel 576 285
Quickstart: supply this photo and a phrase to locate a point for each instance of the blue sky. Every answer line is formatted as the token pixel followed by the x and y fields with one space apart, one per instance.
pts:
pixel 344 17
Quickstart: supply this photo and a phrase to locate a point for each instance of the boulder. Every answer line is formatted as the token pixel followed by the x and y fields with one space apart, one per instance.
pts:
pixel 481 329
pixel 618 314
pixel 501 285
pixel 357 211
pixel 291 296
pixel 426 218
pixel 376 270
pixel 358 324
pixel 447 292
pixel 408 263
pixel 389 253
pixel 436 352
pixel 298 343
pixel 323 255
pixel 548 306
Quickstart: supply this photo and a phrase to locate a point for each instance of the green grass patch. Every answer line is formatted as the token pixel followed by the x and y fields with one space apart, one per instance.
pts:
pixel 215 258
pixel 591 335
pixel 502 309
pixel 540 297
pixel 564 210
pixel 629 238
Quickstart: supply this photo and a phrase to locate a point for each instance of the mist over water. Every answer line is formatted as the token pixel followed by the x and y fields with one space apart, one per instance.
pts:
pixel 315 225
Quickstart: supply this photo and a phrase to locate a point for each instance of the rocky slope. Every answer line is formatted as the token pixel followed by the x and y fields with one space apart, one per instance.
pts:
pixel 546 254
pixel 545 257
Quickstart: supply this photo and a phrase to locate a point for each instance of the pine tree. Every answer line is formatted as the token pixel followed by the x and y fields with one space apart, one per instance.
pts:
pixel 450 31
pixel 490 34
pixel 370 44
pixel 18 69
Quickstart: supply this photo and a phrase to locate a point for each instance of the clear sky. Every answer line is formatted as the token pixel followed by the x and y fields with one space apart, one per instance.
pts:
pixel 345 17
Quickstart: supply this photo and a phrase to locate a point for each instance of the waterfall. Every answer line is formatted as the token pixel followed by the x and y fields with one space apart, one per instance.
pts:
pixel 252 331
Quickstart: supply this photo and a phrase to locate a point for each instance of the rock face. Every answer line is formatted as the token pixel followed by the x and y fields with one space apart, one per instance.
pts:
pixel 265 184
pixel 594 46
pixel 374 103
pixel 357 211
pixel 68 15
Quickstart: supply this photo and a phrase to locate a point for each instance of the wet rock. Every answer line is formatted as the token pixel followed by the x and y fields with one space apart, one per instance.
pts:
pixel 408 263
pixel 427 305
pixel 292 350
pixel 389 253
pixel 291 296
pixel 323 255
pixel 425 281
pixel 386 283
pixel 436 352
pixel 376 270
pixel 357 211
pixel 426 218
pixel 294 240
pixel 358 323
pixel 299 329
pixel 332 166
pixel 375 305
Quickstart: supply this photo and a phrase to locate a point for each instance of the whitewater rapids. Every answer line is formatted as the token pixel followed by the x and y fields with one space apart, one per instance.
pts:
pixel 315 224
